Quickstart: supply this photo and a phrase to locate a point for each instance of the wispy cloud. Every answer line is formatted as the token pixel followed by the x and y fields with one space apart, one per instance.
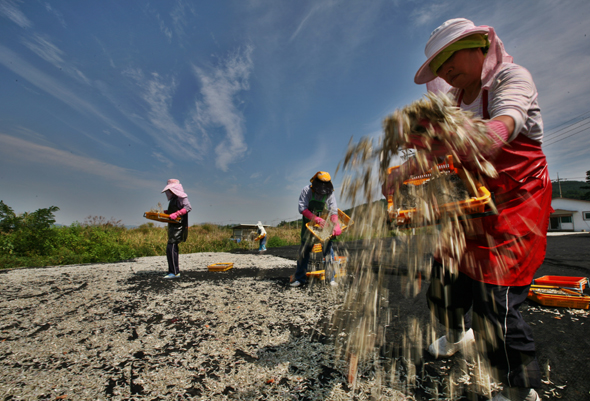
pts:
pixel 303 21
pixel 48 84
pixel 180 139
pixel 163 159
pixel 218 107
pixel 21 151
pixel 44 48
pixel 9 10
pixel 179 14
pixel 57 14
pixel 429 12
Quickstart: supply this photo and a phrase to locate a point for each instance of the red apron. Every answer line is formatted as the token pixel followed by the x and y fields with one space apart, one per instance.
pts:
pixel 509 247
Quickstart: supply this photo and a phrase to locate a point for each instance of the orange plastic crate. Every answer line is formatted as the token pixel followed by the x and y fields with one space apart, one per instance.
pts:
pixel 161 217
pixel 220 267
pixel 563 298
pixel 475 205
pixel 579 283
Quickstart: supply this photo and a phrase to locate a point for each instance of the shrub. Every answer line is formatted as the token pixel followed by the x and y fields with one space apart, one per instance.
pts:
pixel 276 241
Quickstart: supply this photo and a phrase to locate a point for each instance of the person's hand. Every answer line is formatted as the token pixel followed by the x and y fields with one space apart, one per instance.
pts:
pixel 174 216
pixel 318 221
pixel 431 145
pixel 337 230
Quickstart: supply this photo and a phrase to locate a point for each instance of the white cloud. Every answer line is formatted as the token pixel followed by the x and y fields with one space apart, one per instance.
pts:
pixel 20 151
pixel 48 84
pixel 9 9
pixel 217 109
pixel 429 12
pixel 57 14
pixel 44 48
pixel 176 139
pixel 163 159
pixel 179 16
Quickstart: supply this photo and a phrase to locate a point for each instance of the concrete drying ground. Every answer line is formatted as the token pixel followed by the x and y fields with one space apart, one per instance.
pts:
pixel 120 331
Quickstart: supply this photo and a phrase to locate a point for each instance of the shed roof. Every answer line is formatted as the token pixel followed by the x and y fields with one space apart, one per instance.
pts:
pixel 563 211
pixel 241 226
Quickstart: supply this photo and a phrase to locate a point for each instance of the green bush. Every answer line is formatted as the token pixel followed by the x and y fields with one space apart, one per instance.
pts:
pixel 276 241
pixel 31 239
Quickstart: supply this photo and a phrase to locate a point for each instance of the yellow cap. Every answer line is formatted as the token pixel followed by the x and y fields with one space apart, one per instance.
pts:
pixel 322 176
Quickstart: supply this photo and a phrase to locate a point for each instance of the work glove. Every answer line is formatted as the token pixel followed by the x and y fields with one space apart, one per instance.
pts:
pixel 337 230
pixel 314 219
pixel 176 215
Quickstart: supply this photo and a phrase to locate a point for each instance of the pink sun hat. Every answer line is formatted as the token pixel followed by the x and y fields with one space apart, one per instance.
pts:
pixel 446 34
pixel 176 188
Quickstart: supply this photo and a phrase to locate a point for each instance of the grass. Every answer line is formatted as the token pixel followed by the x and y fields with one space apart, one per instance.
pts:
pixel 105 243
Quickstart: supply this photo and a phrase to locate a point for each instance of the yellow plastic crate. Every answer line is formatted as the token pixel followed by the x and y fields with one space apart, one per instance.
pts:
pixel 220 267
pixel 343 219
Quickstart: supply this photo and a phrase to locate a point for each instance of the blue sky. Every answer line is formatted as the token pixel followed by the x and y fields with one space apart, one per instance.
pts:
pixel 243 101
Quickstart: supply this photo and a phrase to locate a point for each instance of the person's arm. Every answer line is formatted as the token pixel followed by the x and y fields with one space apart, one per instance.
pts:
pixel 304 199
pixel 185 207
pixel 512 95
pixel 333 211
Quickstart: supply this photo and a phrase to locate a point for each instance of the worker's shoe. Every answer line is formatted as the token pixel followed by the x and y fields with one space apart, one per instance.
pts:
pixel 172 275
pixel 517 394
pixel 295 284
pixel 333 283
pixel 442 348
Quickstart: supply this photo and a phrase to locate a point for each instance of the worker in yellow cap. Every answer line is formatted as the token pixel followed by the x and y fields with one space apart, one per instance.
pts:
pixel 316 199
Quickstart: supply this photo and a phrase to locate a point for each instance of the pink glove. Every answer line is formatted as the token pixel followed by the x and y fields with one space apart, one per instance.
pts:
pixel 337 230
pixel 315 219
pixel 176 215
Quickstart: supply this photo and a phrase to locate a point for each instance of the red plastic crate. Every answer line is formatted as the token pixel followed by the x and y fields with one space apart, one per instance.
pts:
pixel 579 283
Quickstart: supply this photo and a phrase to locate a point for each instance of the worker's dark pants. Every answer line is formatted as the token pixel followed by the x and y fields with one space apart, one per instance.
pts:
pixel 502 334
pixel 172 256
pixel 304 255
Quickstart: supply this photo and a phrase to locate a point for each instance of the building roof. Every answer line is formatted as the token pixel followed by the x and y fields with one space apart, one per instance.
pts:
pixel 240 226
pixel 563 211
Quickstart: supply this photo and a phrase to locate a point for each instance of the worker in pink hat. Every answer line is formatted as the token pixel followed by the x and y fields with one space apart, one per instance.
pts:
pixel 500 260
pixel 178 206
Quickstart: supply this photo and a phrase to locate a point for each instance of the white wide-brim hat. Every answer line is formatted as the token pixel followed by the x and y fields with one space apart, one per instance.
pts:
pixel 175 187
pixel 446 34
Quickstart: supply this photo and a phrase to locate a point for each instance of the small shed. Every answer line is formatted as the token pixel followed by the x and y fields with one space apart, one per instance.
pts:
pixel 569 215
pixel 245 232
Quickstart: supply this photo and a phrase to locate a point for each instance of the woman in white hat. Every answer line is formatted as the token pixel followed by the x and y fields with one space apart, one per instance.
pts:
pixel 178 206
pixel 261 236
pixel 500 260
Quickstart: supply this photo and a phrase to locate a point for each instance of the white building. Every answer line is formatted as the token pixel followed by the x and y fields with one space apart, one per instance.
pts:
pixel 570 215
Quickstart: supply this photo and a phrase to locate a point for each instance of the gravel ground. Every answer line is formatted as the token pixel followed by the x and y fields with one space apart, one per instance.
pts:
pixel 120 331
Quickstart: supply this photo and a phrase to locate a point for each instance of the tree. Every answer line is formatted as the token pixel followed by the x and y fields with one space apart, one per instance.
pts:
pixel 28 232
pixel 7 218
pixel 586 196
